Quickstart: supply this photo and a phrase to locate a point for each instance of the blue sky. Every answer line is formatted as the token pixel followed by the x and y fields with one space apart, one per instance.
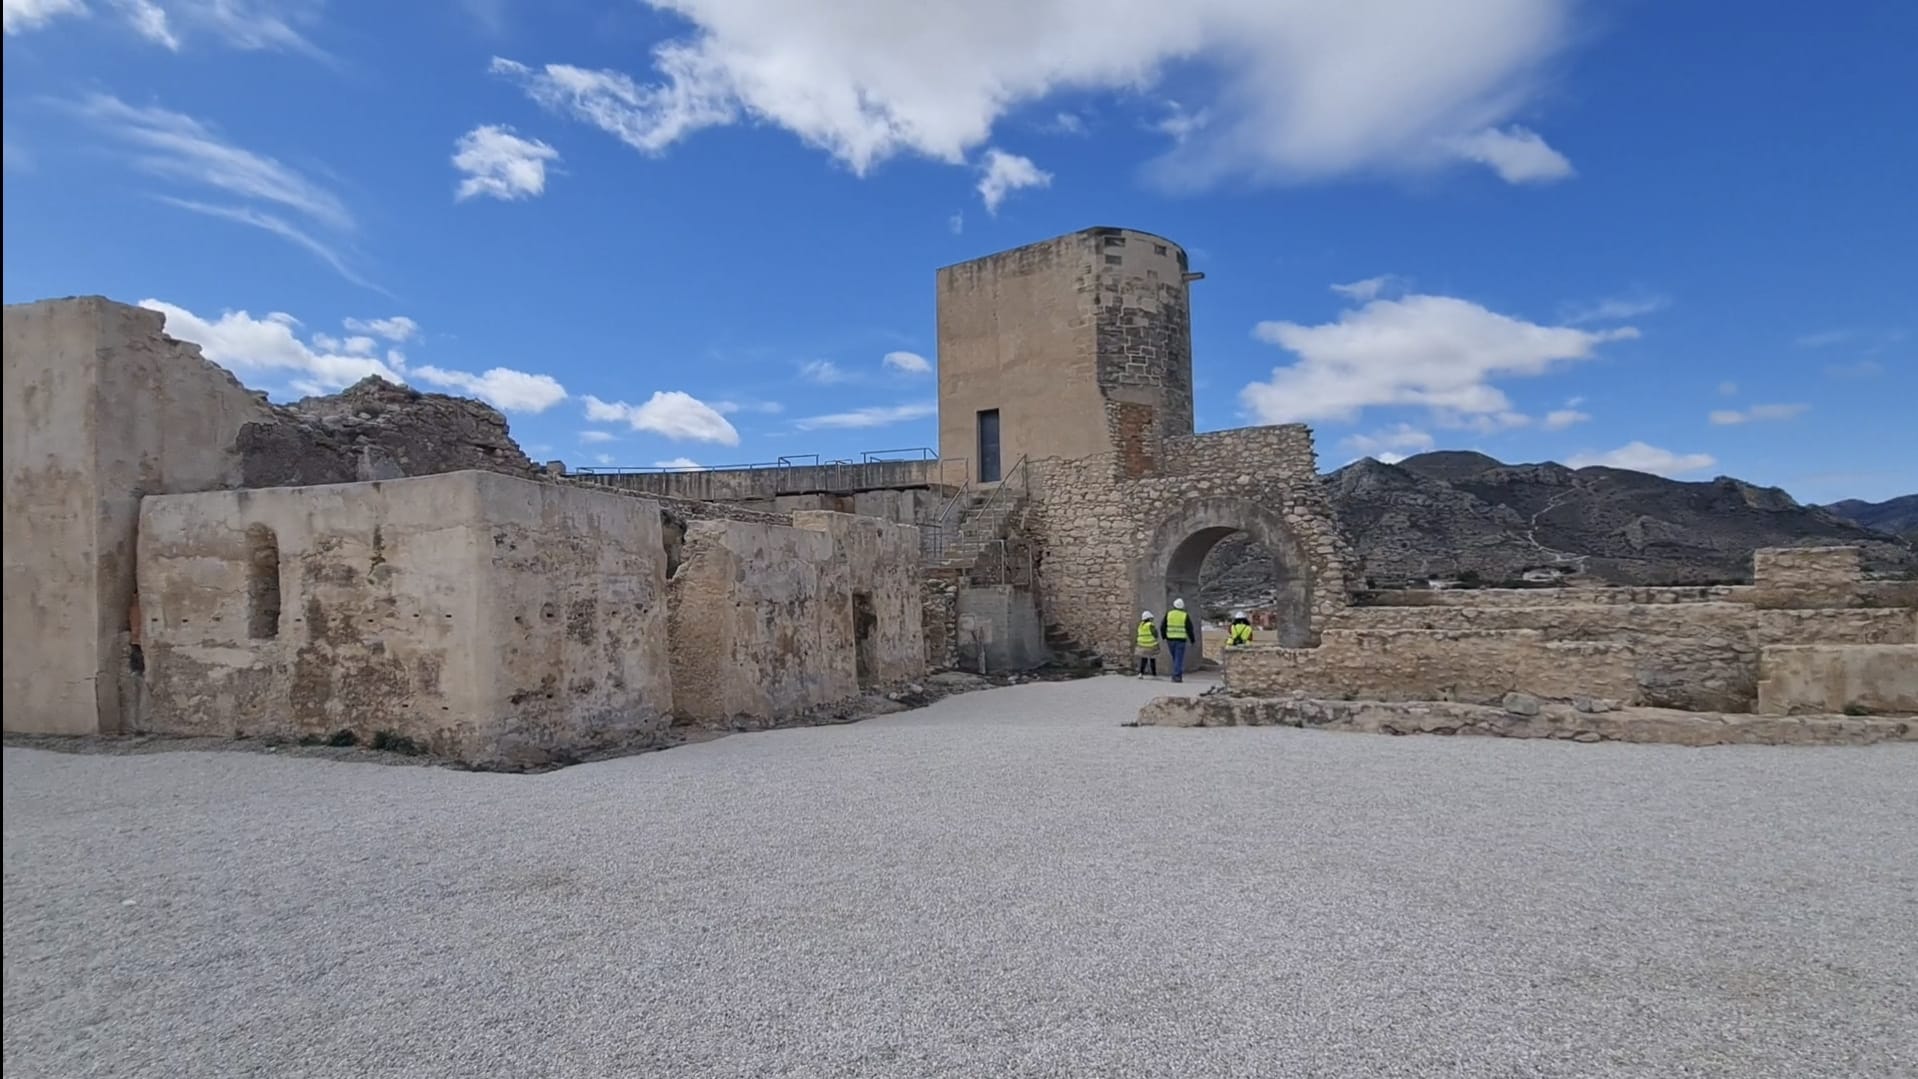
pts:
pixel 1656 235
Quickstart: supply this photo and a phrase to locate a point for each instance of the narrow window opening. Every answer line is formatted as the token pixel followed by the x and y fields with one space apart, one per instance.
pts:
pixel 262 583
pixel 865 623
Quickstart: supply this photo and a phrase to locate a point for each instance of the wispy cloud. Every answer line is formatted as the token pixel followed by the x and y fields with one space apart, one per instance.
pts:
pixel 247 25
pixel 823 373
pixel 670 414
pixel 877 416
pixel 1726 417
pixel 176 147
pixel 1616 309
pixel 910 363
pixel 1641 457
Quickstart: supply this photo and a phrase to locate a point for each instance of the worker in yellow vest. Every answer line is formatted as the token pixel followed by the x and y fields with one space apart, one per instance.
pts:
pixel 1147 641
pixel 1240 632
pixel 1176 628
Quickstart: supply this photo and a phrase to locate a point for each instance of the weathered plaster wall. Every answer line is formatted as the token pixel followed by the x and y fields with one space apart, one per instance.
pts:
pixel 1474 666
pixel 1829 679
pixel 1112 536
pixel 100 408
pixel 497 621
pixel 760 625
pixel 886 606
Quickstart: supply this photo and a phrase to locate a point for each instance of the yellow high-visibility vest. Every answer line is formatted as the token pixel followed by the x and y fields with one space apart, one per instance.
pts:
pixel 1241 633
pixel 1148 634
pixel 1175 627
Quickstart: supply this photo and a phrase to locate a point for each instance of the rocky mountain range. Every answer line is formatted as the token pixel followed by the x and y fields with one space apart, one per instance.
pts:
pixel 1466 515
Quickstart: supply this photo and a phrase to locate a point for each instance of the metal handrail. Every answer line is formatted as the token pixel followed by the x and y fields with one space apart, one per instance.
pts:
pixel 925 453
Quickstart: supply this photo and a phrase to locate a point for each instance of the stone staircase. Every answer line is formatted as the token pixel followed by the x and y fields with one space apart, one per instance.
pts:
pixel 1068 653
pixel 981 522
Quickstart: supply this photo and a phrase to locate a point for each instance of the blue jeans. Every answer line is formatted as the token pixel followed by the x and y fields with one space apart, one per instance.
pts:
pixel 1178 660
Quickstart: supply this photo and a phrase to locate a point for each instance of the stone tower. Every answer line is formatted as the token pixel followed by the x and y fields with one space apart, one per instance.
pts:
pixel 1065 348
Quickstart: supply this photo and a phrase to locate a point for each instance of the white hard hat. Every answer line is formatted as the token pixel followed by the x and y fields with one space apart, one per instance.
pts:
pixel 1178 604
pixel 1145 616
pixel 1238 614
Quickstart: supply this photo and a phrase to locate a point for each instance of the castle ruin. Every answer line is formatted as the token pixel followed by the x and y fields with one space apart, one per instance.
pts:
pixel 183 557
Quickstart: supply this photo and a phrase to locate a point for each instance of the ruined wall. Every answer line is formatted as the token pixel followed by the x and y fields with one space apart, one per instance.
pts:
pixel 497 621
pixel 377 430
pixel 885 604
pixel 1414 665
pixel 999 629
pixel 1547 597
pixel 1109 538
pixel 100 408
pixel 1830 679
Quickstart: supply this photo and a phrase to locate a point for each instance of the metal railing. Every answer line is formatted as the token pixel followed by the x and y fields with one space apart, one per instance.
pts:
pixel 940 525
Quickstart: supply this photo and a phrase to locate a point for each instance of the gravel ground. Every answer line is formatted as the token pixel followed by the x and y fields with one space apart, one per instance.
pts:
pixel 1007 883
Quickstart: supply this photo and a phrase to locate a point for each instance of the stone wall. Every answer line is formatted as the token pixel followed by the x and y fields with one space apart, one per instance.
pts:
pixel 885 603
pixel 767 621
pixel 1112 543
pixel 101 408
pixel 1702 656
pixel 1547 597
pixel 1827 679
pixel 1806 576
pixel 498 621
pixel 1473 666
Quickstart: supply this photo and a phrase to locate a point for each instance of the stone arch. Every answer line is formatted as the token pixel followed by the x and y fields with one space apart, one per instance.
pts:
pixel 1177 548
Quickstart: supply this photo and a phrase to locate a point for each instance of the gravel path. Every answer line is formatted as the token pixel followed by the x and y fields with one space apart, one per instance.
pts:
pixel 1007 883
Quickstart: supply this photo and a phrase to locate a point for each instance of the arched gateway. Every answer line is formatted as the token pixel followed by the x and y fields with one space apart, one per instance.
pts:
pixel 1180 542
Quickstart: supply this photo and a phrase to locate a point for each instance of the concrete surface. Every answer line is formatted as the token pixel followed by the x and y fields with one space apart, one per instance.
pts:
pixel 494 620
pixel 1004 619
pixel 1008 883
pixel 101 407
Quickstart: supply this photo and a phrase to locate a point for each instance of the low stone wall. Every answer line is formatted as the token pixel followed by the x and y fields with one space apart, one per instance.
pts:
pixel 1479 666
pixel 1544 597
pixel 1653 725
pixel 496 621
pixel 884 603
pixel 1806 576
pixel 1817 678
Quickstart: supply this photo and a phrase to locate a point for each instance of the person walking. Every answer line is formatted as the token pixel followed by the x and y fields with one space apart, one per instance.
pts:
pixel 1240 632
pixel 1147 640
pixel 1176 628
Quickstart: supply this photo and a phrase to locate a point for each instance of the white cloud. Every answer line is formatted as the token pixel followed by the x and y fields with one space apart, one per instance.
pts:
pixel 503 388
pixel 1004 173
pixel 1485 423
pixel 19 16
pixel 1067 123
pixel 149 20
pixel 1826 338
pixel 598 436
pixel 398 329
pixel 1560 418
pixel 1639 457
pixel 1438 352
pixel 605 458
pixel 1368 289
pixel 241 24
pixel 910 363
pixel 1728 389
pixel 1379 444
pixel 956 224
pixel 678 462
pixel 669 413
pixel 1859 369
pixel 1297 90
pixel 1179 125
pixel 270 348
pixel 729 407
pixel 823 372
pixel 879 416
pixel 1387 457
pixel 1617 309
pixel 1518 156
pixel 1726 417
pixel 176 147
pixel 499 164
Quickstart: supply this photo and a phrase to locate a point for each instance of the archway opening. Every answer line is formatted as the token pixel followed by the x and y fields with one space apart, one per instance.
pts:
pixel 1222 554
